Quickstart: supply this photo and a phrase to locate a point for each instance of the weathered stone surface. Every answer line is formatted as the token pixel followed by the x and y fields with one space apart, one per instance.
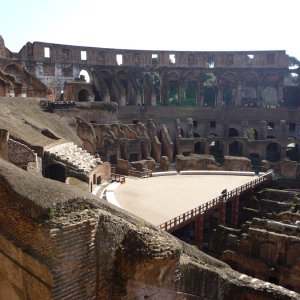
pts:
pixel 196 162
pixel 164 163
pixel 69 244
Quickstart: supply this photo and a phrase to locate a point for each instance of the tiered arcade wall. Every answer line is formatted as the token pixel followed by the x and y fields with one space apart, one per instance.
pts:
pixel 143 77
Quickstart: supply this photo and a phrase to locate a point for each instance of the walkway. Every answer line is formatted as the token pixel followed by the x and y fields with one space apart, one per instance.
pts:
pixel 159 199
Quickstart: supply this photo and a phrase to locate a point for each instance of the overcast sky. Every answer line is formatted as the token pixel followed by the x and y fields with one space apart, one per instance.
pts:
pixel 213 25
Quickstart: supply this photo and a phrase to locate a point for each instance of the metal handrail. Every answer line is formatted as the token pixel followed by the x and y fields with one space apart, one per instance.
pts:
pixel 189 215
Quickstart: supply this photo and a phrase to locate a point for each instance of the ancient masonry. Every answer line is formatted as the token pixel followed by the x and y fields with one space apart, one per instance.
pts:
pixel 194 110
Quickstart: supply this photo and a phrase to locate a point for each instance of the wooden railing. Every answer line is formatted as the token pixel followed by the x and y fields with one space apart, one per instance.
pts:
pixel 117 177
pixel 186 217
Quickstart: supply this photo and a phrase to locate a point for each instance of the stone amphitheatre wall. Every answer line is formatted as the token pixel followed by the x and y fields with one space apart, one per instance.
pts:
pixel 146 77
pixel 57 242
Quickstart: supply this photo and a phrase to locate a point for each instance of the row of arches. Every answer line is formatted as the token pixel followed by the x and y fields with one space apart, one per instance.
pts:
pixel 187 89
pixel 273 151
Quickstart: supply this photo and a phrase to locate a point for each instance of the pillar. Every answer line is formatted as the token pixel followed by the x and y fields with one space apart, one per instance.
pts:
pixel 234 210
pixel 199 224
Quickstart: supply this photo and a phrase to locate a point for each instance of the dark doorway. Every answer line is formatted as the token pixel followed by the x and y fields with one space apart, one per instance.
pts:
pixel 55 172
pixel 83 95
pixel 113 159
pixel 133 157
pixel 236 149
pixel 233 132
pixel 273 152
pixel 199 148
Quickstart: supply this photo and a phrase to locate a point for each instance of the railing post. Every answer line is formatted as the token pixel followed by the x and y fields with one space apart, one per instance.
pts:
pixel 199 230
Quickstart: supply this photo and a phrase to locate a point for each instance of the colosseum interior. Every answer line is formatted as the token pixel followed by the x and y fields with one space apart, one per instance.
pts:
pixel 77 122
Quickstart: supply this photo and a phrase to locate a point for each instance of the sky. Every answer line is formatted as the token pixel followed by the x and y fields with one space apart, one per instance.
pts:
pixel 196 25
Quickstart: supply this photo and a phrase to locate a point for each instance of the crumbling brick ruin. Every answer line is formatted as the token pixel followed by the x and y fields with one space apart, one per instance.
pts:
pixel 266 243
pixel 84 248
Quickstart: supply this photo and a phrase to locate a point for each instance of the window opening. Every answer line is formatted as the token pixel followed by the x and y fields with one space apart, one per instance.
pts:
pixel 46 52
pixel 172 58
pixel 119 58
pixel 83 55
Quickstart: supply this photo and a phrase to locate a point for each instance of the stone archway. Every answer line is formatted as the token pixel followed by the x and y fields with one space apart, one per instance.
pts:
pixel 269 96
pixel 56 172
pixel 273 152
pixel 293 152
pixel 236 149
pixel 199 148
pixel 233 132
pixel 83 95
pixel 217 150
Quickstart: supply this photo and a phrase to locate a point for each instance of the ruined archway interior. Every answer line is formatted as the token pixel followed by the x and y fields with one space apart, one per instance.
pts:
pixel 56 172
pixel 83 95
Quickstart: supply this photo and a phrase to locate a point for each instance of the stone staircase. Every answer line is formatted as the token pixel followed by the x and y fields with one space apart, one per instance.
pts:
pixel 75 157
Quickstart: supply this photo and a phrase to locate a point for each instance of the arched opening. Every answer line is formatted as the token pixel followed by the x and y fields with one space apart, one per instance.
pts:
pixel 249 91
pixel 83 95
pixel 273 152
pixel 252 134
pixel 255 161
pixel 216 149
pixel 269 96
pixel 209 92
pixel 292 152
pixel 56 172
pixel 133 157
pixel 13 69
pixel 190 95
pixel 209 97
pixel 84 75
pixel 199 148
pixel 236 149
pixel 233 132
pixel 229 96
pixel 173 93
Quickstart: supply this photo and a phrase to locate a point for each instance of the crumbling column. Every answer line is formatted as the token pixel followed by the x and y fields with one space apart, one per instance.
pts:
pixel 199 221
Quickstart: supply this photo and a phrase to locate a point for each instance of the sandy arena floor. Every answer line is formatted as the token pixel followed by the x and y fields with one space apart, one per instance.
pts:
pixel 159 199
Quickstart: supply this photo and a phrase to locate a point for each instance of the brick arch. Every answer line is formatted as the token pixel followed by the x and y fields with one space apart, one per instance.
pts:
pixel 271 79
pixel 229 85
pixel 190 76
pixel 229 78
pixel 273 152
pixel 250 77
pixel 292 150
pixel 83 95
pixel 173 76
pixel 233 132
pixel 14 69
pixel 56 171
